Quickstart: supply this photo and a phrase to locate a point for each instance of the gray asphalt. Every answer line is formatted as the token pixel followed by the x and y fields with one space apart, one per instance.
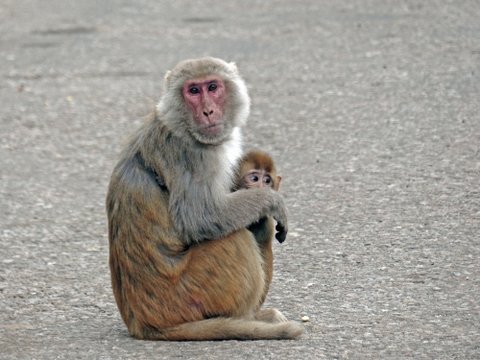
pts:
pixel 371 109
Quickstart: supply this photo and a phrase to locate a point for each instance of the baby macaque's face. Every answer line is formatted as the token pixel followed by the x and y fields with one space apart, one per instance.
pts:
pixel 257 170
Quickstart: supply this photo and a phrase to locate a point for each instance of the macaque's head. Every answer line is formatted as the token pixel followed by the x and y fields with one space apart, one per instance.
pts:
pixel 258 170
pixel 204 98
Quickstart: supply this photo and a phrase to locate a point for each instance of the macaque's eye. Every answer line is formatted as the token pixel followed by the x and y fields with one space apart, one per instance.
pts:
pixel 212 87
pixel 254 178
pixel 267 180
pixel 193 90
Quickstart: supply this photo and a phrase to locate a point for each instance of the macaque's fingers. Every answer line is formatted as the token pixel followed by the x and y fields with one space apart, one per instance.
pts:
pixel 280 216
pixel 281 234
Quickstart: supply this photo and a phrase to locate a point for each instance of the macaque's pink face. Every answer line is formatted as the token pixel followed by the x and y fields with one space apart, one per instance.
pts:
pixel 206 97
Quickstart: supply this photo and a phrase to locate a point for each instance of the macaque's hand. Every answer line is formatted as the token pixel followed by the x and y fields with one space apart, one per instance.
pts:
pixel 281 234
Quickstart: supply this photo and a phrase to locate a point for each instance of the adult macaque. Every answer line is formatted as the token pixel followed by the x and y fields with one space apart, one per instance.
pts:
pixel 257 170
pixel 183 264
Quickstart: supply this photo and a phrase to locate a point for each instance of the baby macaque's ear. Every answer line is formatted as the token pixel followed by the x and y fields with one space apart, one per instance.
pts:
pixel 277 182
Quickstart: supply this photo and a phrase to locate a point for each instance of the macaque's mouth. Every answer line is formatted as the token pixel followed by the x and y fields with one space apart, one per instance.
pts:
pixel 212 129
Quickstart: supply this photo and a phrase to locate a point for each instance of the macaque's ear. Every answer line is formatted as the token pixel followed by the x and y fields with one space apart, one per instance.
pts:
pixel 278 180
pixel 233 67
pixel 167 76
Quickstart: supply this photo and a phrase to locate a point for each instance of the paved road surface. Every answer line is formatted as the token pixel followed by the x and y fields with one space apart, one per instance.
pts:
pixel 371 108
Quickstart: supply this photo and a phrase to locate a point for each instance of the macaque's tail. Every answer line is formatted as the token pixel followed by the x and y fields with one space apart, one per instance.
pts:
pixel 226 329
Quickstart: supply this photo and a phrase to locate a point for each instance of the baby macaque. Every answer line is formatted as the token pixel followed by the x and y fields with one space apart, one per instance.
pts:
pixel 257 170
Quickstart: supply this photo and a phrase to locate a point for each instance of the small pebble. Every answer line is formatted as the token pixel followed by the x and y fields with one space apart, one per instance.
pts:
pixel 305 319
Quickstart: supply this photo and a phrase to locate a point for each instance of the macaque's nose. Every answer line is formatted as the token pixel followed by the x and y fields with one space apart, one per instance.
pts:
pixel 207 113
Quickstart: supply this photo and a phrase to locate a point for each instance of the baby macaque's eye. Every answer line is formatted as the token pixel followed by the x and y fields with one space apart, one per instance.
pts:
pixel 254 178
pixel 267 180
